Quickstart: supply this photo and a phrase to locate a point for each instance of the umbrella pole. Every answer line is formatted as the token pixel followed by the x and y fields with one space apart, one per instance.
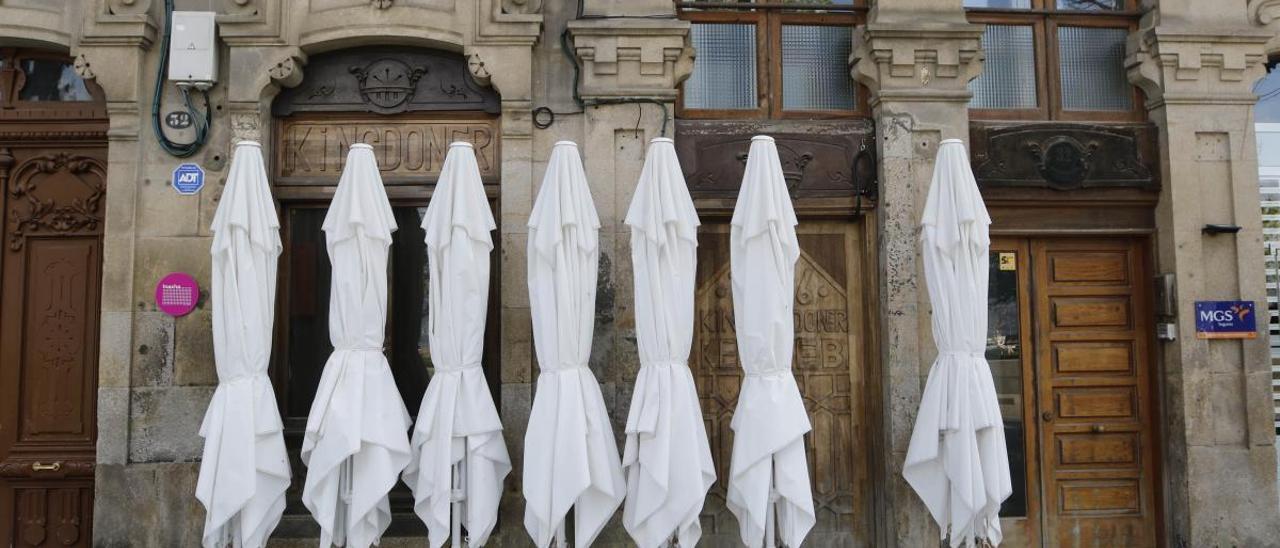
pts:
pixel 561 541
pixel 344 502
pixel 459 497
pixel 771 514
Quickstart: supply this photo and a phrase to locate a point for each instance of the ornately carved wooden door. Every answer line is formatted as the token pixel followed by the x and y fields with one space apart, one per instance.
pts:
pixel 829 362
pixel 52 190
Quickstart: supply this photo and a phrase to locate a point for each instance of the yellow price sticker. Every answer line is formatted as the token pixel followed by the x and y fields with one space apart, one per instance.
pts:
pixel 1008 261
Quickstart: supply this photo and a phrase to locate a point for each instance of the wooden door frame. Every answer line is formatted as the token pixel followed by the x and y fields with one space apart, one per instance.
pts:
pixel 1145 241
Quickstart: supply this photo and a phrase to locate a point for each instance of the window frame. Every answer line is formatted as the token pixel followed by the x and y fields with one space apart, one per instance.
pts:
pixel 1045 19
pixel 769 19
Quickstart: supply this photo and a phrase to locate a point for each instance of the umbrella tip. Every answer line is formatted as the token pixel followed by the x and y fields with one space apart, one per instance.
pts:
pixel 460 144
pixel 762 138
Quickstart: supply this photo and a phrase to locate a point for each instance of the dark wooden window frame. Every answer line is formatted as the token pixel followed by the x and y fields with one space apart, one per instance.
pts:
pixel 768 19
pixel 1044 19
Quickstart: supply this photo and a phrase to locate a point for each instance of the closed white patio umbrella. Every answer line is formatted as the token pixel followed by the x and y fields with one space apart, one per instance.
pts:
pixel 244 471
pixel 667 456
pixel 356 441
pixel 956 461
pixel 570 456
pixel 769 475
pixel 457 442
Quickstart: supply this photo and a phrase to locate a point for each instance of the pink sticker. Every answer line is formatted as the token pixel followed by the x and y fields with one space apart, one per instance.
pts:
pixel 177 293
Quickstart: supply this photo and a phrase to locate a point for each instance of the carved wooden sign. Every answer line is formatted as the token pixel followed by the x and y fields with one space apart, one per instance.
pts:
pixel 818 159
pixel 1064 156
pixel 314 150
pixel 387 80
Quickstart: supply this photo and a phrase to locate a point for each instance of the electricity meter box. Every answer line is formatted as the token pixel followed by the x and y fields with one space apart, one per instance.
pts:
pixel 193 49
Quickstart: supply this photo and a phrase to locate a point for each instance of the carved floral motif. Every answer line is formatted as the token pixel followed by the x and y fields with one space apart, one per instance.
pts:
pixel 34 212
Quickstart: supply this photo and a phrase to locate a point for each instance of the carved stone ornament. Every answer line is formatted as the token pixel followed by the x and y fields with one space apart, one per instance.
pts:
pixel 818 159
pixel 244 127
pixel 82 67
pixel 381 4
pixel 1064 156
pixel 521 6
pixel 478 71
pixel 388 80
pixel 387 83
pixel 59 193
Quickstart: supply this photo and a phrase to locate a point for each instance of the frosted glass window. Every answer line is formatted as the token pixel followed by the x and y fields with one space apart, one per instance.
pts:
pixel 1091 5
pixel 1008 79
pixel 724 71
pixel 815 68
pixel 1091 62
pixel 999 4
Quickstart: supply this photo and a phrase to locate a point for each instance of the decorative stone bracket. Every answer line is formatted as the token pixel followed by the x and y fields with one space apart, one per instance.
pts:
pixel 910 63
pixel 631 57
pixel 1266 13
pixel 1175 66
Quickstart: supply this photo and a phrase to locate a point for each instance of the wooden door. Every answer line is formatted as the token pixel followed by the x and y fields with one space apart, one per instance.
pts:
pixel 829 359
pixel 1070 318
pixel 1093 334
pixel 52 189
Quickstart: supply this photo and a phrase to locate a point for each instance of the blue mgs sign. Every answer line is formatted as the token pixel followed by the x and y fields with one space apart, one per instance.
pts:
pixel 1226 320
pixel 188 179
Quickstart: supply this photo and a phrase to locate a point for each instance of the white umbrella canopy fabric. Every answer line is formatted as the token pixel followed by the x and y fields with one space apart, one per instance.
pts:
pixel 770 421
pixel 244 472
pixel 667 456
pixel 570 456
pixel 458 420
pixel 356 441
pixel 956 461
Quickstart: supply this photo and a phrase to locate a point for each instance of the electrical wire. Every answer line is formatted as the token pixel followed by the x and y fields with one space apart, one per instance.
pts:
pixel 582 103
pixel 180 150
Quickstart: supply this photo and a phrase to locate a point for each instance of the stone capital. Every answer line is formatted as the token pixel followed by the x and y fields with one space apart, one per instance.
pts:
pixel 911 63
pixel 1196 66
pixel 631 57
pixel 121 23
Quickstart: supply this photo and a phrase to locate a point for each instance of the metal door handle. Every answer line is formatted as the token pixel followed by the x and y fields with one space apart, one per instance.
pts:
pixel 1047 416
pixel 1098 429
pixel 38 467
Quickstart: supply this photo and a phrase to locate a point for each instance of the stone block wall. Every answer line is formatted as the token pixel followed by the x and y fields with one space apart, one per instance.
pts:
pixel 1195 60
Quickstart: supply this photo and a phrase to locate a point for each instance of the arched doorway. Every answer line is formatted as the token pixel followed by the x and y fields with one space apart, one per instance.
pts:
pixel 53 161
pixel 409 104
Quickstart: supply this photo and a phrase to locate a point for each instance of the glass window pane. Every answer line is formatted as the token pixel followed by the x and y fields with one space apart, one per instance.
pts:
pixel 308 314
pixel 48 80
pixel 1091 5
pixel 1004 354
pixel 1091 62
pixel 724 71
pixel 1001 4
pixel 815 68
pixel 1008 79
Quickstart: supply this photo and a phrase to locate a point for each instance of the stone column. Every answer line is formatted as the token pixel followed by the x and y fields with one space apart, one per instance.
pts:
pixel 1197 61
pixel 917 74
pixel 628 72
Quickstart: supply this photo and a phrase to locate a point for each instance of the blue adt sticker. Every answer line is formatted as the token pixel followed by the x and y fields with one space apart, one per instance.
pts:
pixel 188 179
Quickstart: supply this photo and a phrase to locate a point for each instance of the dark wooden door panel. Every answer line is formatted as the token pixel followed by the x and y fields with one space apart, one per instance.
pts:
pixel 1093 398
pixel 50 276
pixel 828 361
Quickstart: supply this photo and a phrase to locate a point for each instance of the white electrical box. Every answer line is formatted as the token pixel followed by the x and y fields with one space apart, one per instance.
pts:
pixel 193 49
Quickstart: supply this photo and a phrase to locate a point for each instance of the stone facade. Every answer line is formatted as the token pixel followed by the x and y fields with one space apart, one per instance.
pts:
pixel 1195 60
